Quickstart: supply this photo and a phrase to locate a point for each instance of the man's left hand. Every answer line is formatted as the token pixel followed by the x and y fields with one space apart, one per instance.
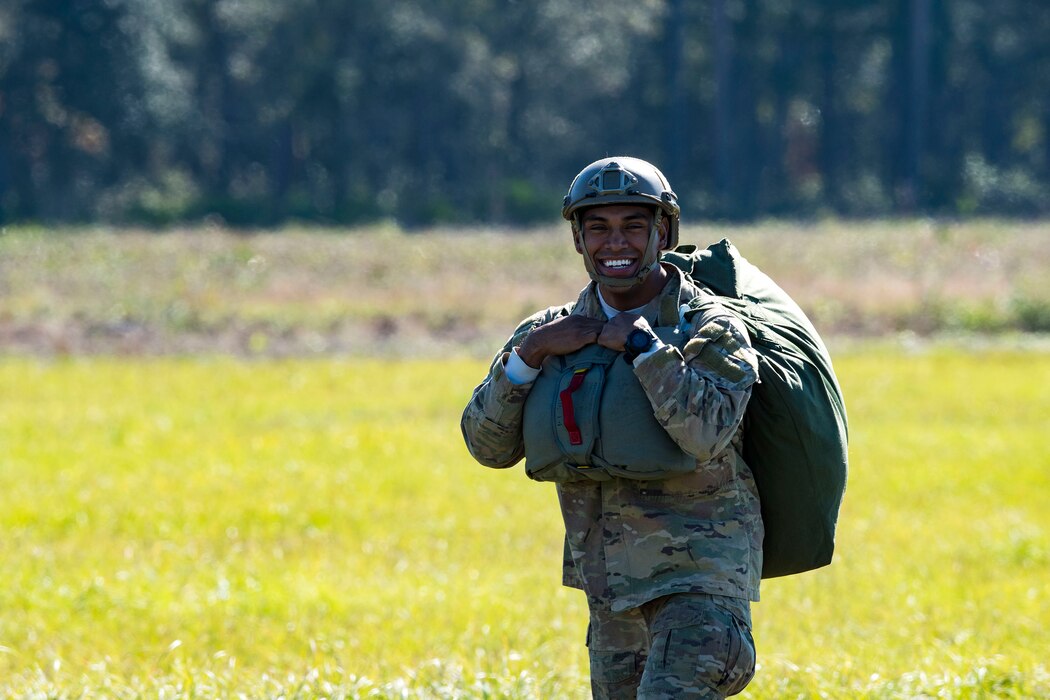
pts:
pixel 614 333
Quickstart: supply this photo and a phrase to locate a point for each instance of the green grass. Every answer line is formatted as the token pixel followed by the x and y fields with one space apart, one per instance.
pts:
pixel 314 528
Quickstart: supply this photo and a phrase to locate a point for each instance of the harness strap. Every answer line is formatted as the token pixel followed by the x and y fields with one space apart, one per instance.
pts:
pixel 567 410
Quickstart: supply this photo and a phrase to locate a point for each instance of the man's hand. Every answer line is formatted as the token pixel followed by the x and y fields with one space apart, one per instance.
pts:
pixel 559 337
pixel 614 334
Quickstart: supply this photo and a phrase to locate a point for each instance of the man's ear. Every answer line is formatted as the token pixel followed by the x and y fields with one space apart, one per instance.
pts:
pixel 577 239
pixel 665 232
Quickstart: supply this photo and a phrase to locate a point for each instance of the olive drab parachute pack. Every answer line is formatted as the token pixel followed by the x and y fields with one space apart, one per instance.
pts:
pixel 795 427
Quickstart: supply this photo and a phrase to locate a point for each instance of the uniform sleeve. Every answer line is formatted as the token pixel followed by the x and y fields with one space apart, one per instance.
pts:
pixel 699 394
pixel 491 422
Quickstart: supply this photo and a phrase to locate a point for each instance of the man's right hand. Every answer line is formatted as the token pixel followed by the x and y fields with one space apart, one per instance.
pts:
pixel 559 337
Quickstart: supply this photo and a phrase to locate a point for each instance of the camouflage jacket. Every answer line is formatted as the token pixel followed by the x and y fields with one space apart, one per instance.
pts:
pixel 629 541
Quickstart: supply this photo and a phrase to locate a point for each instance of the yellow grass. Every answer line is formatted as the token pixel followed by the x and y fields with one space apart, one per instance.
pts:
pixel 314 528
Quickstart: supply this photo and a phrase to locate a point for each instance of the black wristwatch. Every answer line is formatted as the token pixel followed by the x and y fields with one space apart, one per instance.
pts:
pixel 638 341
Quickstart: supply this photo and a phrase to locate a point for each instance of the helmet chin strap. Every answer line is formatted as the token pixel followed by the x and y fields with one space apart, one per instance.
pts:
pixel 649 262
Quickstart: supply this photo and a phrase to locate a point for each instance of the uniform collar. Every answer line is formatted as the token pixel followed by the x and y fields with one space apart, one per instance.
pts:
pixel 662 310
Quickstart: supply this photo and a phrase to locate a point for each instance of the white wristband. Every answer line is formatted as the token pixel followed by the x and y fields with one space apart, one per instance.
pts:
pixel 653 349
pixel 517 371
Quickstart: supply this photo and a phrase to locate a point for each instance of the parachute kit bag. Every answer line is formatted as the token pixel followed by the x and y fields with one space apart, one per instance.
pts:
pixel 795 431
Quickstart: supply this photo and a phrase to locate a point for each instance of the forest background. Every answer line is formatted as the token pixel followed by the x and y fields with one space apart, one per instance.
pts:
pixel 256 113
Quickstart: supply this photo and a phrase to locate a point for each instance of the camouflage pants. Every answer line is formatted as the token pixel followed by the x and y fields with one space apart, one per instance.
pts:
pixel 686 645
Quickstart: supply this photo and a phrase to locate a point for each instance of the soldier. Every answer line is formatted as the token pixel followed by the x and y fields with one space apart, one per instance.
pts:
pixel 631 399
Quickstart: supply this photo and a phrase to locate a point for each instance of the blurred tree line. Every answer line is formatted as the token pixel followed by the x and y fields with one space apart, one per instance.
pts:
pixel 435 111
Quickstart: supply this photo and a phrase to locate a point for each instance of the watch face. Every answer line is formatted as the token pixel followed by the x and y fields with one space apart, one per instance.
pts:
pixel 638 341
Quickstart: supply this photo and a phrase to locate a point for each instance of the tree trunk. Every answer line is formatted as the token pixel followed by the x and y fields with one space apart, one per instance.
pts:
pixel 917 109
pixel 723 117
pixel 676 111
pixel 830 124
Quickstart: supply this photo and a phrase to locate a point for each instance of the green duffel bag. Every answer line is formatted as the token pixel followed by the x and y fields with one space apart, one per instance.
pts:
pixel 795 431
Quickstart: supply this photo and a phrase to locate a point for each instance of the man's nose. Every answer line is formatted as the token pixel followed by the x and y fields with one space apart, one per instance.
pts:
pixel 617 238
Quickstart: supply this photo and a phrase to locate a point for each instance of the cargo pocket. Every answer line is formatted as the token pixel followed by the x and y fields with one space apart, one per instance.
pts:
pixel 560 420
pixel 615 673
pixel 741 667
pixel 573 423
pixel 700 645
pixel 612 667
pixel 574 414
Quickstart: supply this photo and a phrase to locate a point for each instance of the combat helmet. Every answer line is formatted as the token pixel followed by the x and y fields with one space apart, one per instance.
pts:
pixel 624 180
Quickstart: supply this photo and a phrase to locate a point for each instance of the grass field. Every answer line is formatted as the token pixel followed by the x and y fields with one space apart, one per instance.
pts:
pixel 379 291
pixel 314 528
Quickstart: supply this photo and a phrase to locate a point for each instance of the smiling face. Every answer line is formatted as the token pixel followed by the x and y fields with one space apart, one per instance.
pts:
pixel 616 237
pixel 615 240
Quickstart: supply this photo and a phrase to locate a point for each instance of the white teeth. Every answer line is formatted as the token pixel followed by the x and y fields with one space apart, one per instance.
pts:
pixel 617 264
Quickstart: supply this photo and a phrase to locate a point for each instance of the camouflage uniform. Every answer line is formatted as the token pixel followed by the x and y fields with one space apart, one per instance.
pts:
pixel 685 645
pixel 635 546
